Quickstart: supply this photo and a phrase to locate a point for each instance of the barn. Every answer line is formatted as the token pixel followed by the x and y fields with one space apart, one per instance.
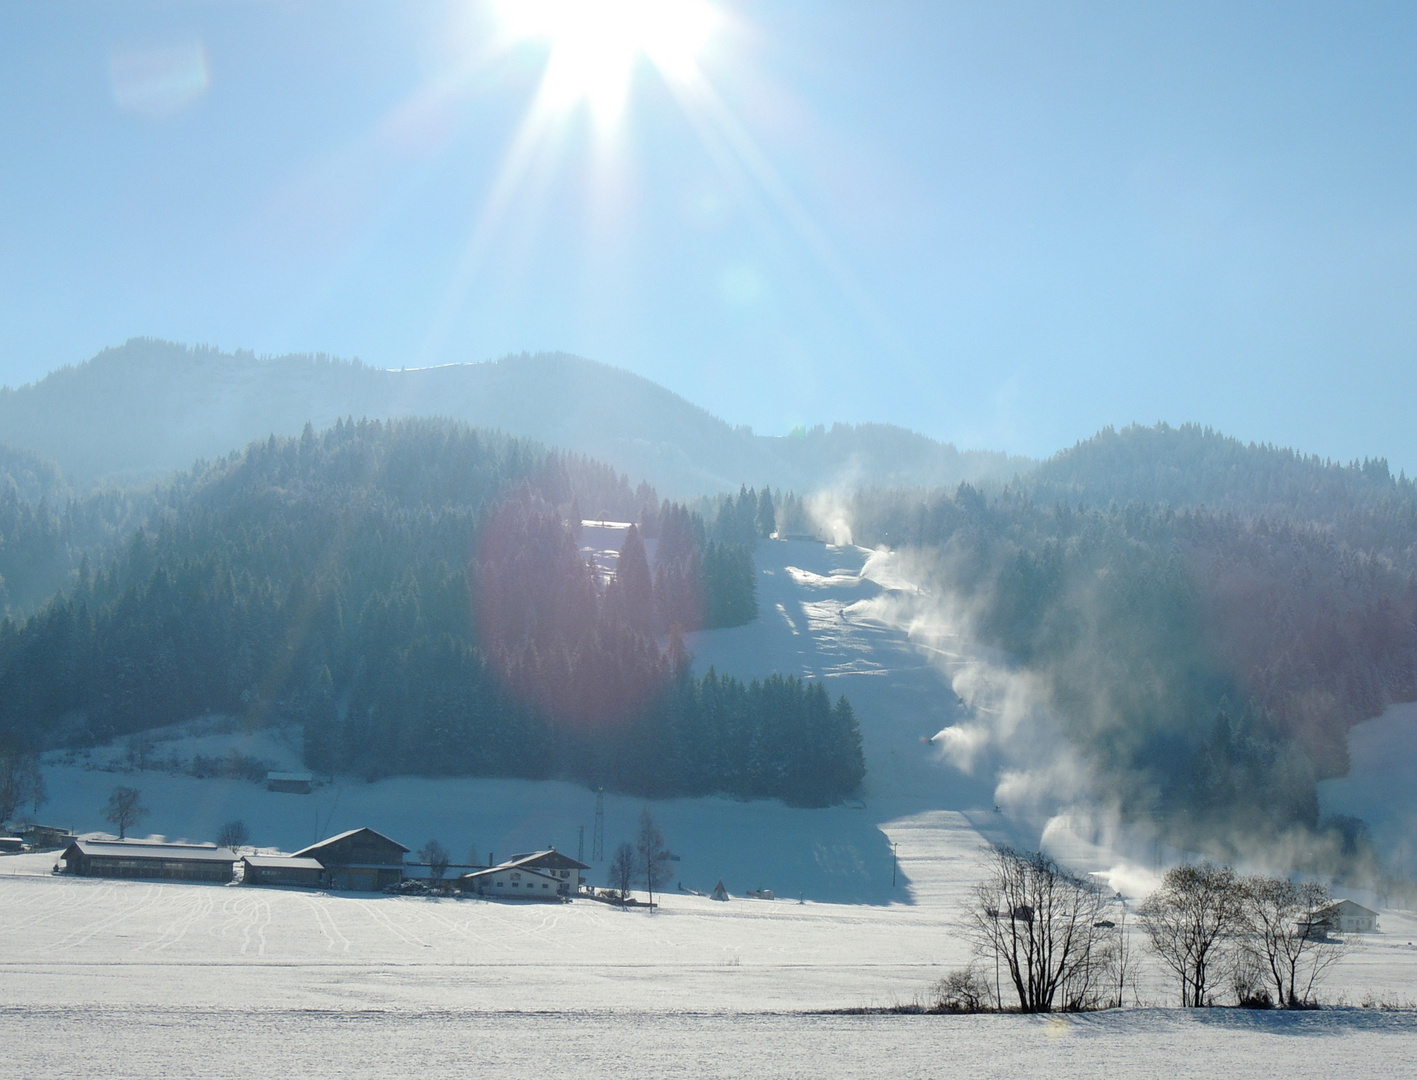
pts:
pixel 292 783
pixel 138 859
pixel 360 860
pixel 282 870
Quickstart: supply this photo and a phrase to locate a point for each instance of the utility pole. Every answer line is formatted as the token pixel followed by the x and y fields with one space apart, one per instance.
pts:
pixel 894 845
pixel 597 835
pixel 580 844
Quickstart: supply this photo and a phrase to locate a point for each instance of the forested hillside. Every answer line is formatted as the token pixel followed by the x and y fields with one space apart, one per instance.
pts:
pixel 143 410
pixel 413 592
pixel 1209 661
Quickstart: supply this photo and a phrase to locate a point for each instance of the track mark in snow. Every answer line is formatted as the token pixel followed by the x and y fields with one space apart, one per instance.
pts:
pixel 326 922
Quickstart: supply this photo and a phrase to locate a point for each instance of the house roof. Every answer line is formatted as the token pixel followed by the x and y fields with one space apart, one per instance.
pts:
pixel 281 862
pixel 331 841
pixel 1347 907
pixel 297 777
pixel 506 866
pixel 128 849
pixel 546 857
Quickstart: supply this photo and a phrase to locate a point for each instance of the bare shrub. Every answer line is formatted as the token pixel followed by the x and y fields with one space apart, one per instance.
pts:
pixel 964 990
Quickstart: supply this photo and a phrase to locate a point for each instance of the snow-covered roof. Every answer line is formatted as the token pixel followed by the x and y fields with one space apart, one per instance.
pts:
pixel 293 777
pixel 506 866
pixel 129 849
pixel 549 856
pixel 281 862
pixel 344 836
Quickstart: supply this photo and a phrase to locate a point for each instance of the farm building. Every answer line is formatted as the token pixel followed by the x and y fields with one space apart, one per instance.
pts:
pixel 360 860
pixel 551 862
pixel 293 783
pixel 282 870
pixel 47 837
pixel 11 845
pixel 136 859
pixel 512 882
pixel 1346 917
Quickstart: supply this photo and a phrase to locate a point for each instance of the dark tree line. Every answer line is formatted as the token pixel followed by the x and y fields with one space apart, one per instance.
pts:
pixel 414 593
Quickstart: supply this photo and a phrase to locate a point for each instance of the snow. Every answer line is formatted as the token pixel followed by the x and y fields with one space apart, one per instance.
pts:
pixel 181 979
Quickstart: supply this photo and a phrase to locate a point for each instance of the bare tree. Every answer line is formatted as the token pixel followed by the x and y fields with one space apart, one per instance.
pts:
pixel 234 834
pixel 1283 936
pixel 622 871
pixel 653 856
pixel 1192 921
pixel 436 857
pixel 1043 923
pixel 123 809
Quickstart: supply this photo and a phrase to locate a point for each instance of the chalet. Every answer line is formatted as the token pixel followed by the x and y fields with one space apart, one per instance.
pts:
pixel 293 783
pixel 512 882
pixel 138 859
pixel 282 870
pixel 359 860
pixel 566 870
pixel 1345 917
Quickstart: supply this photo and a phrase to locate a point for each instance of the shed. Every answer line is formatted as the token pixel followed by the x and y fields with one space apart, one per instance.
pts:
pixel 137 859
pixel 293 783
pixel 360 860
pixel 11 845
pixel 282 870
pixel 512 882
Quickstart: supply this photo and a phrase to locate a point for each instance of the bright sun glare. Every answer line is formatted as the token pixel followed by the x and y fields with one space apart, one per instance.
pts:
pixel 595 44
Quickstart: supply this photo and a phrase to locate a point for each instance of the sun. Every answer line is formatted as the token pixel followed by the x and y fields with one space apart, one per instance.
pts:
pixel 595 44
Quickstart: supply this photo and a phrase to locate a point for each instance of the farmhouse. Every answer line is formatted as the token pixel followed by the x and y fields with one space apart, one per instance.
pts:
pixel 512 882
pixel 1346 917
pixel 360 860
pixel 282 870
pixel 563 868
pixel 136 859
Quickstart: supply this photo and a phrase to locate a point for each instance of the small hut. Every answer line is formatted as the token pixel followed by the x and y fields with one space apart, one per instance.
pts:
pixel 719 892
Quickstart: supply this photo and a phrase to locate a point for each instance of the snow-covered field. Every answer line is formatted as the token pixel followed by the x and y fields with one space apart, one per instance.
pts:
pixel 122 978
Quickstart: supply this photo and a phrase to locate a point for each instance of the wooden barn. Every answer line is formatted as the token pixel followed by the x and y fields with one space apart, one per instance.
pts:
pixel 292 783
pixel 360 860
pixel 282 870
pixel 1345 917
pixel 136 859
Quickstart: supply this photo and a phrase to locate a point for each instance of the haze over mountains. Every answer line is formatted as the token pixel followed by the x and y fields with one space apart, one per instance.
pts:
pixel 148 408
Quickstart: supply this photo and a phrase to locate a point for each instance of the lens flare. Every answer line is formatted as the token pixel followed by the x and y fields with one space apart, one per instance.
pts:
pixel 595 44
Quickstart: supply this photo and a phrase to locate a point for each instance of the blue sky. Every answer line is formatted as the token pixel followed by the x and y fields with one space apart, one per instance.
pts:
pixel 1005 225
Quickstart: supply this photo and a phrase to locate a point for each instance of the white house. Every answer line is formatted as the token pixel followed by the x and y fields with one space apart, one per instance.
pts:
pixel 512 882
pixel 1346 917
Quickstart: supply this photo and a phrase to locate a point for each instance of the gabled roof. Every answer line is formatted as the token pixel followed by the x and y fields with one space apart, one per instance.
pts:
pixel 1347 907
pixel 547 857
pixel 506 866
pixel 129 849
pixel 331 841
